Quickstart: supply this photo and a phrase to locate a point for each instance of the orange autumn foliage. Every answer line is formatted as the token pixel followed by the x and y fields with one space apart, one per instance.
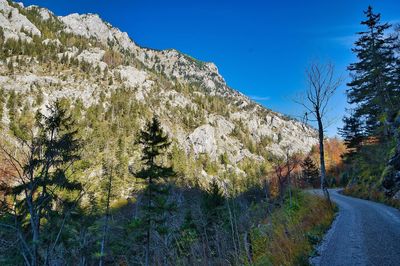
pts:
pixel 334 149
pixel 6 172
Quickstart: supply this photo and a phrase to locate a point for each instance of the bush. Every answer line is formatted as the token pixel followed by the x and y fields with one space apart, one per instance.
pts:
pixel 292 231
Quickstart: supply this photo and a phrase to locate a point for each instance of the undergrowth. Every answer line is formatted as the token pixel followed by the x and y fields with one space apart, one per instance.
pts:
pixel 370 193
pixel 288 236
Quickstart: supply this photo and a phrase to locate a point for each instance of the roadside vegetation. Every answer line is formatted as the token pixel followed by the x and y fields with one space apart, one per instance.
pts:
pixel 53 213
pixel 103 183
pixel 368 193
pixel 371 128
pixel 289 235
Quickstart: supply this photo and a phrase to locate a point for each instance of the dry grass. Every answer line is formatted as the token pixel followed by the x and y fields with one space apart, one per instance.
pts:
pixel 289 235
pixel 363 192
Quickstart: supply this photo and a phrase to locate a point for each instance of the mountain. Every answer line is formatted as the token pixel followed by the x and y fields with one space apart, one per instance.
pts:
pixel 113 86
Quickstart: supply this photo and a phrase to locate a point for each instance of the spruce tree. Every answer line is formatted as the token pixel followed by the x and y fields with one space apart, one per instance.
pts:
pixel 2 103
pixel 396 72
pixel 213 204
pixel 353 134
pixel 371 88
pixel 45 194
pixel 310 171
pixel 107 186
pixel 154 142
pixel 213 201
pixel 188 234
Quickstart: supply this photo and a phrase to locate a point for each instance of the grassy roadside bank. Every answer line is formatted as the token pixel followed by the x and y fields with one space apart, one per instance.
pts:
pixel 289 234
pixel 369 193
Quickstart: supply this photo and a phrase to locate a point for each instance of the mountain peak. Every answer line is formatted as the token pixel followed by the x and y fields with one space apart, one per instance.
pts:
pixel 199 110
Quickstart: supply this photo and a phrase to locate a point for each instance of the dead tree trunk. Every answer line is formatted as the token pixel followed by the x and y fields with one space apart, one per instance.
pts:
pixel 324 187
pixel 322 84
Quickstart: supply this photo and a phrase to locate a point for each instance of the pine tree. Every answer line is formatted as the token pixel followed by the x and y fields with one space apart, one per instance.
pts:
pixel 371 88
pixel 213 204
pixel 396 73
pixel 155 175
pixel 2 103
pixel 1 36
pixel 213 201
pixel 188 235
pixel 310 171
pixel 353 134
pixel 10 66
pixel 108 174
pixel 45 195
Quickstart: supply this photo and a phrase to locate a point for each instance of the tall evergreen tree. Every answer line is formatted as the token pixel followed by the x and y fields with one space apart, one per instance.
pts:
pixel 371 88
pixel 155 174
pixel 213 204
pixel 353 135
pixel 45 194
pixel 108 174
pixel 213 201
pixel 310 171
pixel 396 73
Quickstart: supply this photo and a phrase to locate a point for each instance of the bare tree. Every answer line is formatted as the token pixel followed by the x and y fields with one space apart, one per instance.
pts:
pixel 321 85
pixel 283 172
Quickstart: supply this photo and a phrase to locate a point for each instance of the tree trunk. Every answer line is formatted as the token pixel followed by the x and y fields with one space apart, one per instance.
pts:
pixel 149 223
pixel 105 227
pixel 248 247
pixel 35 227
pixel 266 187
pixel 232 230
pixel 289 179
pixel 322 157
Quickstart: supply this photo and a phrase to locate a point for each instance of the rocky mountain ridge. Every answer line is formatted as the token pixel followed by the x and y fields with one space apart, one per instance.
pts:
pixel 86 60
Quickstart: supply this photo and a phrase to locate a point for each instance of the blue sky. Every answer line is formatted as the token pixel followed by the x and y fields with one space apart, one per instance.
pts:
pixel 260 47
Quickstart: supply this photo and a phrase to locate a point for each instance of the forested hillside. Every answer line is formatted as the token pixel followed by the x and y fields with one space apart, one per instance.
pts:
pixel 111 153
pixel 371 128
pixel 112 87
pixel 116 154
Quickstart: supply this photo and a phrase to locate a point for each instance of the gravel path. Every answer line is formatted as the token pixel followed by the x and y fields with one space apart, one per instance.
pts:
pixel 363 233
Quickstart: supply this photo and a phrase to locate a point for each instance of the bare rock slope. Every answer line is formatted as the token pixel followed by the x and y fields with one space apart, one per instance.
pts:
pixel 86 60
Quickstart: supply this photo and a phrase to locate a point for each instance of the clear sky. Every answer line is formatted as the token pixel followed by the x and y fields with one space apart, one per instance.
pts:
pixel 260 47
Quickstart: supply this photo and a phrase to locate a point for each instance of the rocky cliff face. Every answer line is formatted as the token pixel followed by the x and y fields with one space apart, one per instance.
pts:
pixel 84 59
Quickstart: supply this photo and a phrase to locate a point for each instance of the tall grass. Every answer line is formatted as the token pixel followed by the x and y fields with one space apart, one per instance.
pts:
pixel 364 191
pixel 289 234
